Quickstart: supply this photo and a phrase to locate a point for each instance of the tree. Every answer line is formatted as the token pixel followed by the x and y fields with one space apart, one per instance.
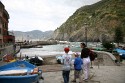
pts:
pixel 118 35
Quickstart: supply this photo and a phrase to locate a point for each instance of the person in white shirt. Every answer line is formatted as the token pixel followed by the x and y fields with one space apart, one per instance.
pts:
pixel 66 61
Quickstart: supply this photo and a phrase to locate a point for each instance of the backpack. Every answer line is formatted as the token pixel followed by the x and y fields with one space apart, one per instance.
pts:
pixel 92 55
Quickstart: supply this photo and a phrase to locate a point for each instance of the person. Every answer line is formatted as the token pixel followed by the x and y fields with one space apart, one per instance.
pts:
pixel 78 68
pixel 86 60
pixel 66 61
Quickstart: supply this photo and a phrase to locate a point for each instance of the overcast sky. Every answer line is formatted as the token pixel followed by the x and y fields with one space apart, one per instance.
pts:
pixel 44 15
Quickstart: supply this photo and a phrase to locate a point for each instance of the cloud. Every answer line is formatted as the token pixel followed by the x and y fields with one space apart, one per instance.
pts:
pixel 27 15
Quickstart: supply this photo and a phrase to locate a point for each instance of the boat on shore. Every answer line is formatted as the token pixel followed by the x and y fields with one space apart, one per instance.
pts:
pixel 121 52
pixel 19 72
pixel 38 46
pixel 37 60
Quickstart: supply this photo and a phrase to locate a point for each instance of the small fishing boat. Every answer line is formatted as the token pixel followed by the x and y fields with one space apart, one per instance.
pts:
pixel 98 48
pixel 39 46
pixel 121 52
pixel 37 60
pixel 59 59
pixel 19 72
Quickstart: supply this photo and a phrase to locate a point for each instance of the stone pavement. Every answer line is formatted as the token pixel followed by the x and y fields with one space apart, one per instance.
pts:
pixel 109 74
pixel 103 74
pixel 104 71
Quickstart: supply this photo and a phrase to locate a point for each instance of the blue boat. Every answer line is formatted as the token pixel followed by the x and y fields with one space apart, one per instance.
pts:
pixel 121 52
pixel 18 72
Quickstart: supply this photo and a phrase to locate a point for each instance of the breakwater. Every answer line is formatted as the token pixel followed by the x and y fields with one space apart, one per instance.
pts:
pixel 35 43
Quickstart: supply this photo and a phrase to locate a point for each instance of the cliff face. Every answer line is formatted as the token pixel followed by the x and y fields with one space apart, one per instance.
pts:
pixel 100 19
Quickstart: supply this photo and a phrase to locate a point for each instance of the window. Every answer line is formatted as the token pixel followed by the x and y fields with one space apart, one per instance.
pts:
pixel 0 30
pixel 0 40
pixel 0 21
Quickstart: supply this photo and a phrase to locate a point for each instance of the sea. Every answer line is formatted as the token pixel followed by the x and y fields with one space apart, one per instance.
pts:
pixel 49 50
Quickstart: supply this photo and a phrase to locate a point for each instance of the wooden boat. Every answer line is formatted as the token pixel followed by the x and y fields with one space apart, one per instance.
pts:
pixel 37 60
pixel 39 46
pixel 19 72
pixel 98 48
pixel 59 59
pixel 121 52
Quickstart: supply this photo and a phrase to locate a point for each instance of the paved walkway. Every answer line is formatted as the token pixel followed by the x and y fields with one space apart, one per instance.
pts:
pixel 104 71
pixel 104 74
pixel 109 74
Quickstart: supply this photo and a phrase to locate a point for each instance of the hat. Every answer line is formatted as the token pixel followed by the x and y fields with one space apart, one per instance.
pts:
pixel 76 54
pixel 66 49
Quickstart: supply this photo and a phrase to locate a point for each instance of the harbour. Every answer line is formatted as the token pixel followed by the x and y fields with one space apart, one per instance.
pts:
pixel 34 53
pixel 56 49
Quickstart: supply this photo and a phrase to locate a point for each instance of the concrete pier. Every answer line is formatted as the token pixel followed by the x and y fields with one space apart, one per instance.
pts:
pixel 35 43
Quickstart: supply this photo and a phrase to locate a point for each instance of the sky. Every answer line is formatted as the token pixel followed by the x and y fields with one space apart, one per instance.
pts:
pixel 43 15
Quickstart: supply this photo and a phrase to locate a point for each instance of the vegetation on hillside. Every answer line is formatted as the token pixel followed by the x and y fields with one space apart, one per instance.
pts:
pixel 102 19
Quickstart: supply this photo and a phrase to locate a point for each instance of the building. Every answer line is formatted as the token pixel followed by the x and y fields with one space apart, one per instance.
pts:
pixel 7 40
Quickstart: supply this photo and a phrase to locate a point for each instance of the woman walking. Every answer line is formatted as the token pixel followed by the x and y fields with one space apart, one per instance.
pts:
pixel 86 60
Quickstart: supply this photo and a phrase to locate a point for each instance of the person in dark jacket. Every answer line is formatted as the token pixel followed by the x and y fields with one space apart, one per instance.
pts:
pixel 86 60
pixel 78 68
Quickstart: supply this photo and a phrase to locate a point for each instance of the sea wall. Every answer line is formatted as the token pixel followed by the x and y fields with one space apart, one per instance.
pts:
pixel 7 50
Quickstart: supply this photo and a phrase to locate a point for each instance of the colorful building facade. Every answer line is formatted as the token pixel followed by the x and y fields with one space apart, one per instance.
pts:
pixel 6 39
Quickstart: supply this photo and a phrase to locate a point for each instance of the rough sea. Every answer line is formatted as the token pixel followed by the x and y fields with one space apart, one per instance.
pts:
pixel 48 50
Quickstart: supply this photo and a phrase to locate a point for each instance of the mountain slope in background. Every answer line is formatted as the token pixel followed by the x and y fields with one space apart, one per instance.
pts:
pixel 32 35
pixel 101 19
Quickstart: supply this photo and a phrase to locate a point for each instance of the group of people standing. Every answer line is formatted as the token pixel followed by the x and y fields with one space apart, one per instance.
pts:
pixel 81 63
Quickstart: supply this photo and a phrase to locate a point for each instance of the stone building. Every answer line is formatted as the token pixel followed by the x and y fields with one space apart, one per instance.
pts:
pixel 7 40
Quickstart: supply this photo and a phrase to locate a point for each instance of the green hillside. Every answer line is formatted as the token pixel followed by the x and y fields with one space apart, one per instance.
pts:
pixel 101 20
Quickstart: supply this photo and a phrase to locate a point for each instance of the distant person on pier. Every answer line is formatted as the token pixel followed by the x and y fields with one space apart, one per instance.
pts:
pixel 86 60
pixel 66 61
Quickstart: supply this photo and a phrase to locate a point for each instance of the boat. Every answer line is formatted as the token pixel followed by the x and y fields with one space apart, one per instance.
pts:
pixel 98 48
pixel 19 72
pixel 59 59
pixel 37 60
pixel 39 46
pixel 121 52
